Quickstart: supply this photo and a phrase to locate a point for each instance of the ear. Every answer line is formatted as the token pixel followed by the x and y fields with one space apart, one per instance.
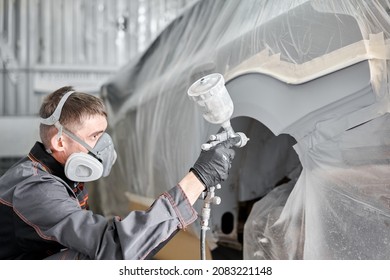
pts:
pixel 56 143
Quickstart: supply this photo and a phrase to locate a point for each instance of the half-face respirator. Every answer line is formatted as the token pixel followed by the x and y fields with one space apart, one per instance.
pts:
pixel 84 167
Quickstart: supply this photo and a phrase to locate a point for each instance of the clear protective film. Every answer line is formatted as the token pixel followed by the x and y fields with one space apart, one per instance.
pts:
pixel 315 70
pixel 339 207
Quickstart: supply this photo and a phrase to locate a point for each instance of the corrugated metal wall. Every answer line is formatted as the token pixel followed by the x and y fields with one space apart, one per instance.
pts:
pixel 45 44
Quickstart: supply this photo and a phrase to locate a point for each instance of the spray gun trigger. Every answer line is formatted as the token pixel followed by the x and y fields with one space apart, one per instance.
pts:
pixel 208 146
pixel 222 136
pixel 215 139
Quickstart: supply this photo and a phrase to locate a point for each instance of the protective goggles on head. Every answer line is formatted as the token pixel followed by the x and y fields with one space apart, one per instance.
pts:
pixel 82 167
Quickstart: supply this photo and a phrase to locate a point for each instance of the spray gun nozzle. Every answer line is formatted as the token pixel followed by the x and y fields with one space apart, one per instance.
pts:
pixel 243 140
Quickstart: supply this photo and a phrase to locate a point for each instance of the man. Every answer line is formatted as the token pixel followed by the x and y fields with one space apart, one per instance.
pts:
pixel 43 203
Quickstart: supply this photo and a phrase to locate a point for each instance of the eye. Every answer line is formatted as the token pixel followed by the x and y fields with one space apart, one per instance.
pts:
pixel 96 136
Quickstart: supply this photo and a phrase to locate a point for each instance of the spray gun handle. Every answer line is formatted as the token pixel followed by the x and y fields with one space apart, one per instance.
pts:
pixel 208 200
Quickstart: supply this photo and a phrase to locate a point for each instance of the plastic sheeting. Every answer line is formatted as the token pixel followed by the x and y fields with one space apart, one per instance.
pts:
pixel 339 208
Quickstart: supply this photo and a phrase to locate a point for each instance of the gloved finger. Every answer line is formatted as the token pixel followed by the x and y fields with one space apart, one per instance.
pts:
pixel 230 153
pixel 232 141
pixel 228 156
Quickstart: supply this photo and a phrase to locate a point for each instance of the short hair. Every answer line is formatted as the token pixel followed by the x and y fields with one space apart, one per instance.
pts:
pixel 77 107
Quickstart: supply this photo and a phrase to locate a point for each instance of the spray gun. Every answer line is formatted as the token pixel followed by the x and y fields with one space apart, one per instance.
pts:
pixel 213 98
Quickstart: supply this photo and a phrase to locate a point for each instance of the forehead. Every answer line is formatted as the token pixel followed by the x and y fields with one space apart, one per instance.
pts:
pixel 92 124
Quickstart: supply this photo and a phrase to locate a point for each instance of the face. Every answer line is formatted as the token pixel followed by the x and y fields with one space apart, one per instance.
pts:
pixel 92 129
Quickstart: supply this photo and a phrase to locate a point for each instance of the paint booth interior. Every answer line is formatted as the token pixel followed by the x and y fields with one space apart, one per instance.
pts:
pixel 309 80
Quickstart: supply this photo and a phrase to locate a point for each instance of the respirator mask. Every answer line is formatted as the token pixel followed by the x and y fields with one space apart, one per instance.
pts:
pixel 84 167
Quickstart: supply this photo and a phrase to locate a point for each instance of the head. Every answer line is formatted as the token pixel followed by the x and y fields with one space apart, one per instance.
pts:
pixel 72 129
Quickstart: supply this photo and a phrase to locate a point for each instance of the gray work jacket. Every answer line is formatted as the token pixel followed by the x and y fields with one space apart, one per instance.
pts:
pixel 41 215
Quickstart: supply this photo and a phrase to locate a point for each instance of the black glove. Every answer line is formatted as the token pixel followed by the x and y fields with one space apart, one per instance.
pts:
pixel 212 166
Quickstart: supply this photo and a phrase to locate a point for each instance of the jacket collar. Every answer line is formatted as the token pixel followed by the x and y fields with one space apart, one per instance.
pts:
pixel 39 154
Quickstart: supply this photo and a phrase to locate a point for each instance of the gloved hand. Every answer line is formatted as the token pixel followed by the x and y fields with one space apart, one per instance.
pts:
pixel 212 166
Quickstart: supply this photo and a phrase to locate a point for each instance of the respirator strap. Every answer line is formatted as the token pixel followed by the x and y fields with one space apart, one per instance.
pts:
pixel 77 139
pixel 55 117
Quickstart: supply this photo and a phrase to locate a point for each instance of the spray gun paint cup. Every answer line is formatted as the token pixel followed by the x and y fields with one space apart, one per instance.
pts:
pixel 213 98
